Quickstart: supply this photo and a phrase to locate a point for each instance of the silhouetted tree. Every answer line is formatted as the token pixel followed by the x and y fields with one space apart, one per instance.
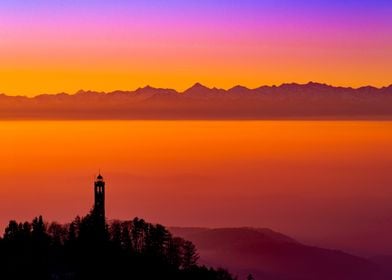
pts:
pixel 11 231
pixel 126 241
pixel 72 232
pixel 58 233
pixel 156 240
pixel 115 233
pixel 174 256
pixel 223 274
pixel 139 232
pixel 189 255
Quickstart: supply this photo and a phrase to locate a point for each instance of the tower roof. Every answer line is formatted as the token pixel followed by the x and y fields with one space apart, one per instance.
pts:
pixel 99 177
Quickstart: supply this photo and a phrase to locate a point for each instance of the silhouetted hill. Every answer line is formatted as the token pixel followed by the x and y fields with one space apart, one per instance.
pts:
pixel 287 101
pixel 90 248
pixel 270 255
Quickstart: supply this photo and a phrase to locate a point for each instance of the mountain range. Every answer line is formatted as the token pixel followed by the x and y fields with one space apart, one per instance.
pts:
pixel 287 101
pixel 269 255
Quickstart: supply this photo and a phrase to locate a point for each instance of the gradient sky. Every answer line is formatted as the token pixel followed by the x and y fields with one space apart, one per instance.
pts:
pixel 54 46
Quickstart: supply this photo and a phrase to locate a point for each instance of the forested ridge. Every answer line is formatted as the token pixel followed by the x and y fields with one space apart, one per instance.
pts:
pixel 81 249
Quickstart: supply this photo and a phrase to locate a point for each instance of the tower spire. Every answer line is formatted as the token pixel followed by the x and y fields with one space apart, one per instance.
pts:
pixel 99 199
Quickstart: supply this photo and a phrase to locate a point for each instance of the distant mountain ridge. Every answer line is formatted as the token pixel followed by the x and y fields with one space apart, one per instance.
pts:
pixel 287 101
pixel 270 255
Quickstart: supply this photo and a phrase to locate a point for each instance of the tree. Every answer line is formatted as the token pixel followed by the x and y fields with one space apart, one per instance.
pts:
pixel 58 233
pixel 115 233
pixel 157 240
pixel 189 255
pixel 11 231
pixel 138 233
pixel 126 242
pixel 173 253
pixel 39 228
pixel 39 235
pixel 223 274
pixel 26 230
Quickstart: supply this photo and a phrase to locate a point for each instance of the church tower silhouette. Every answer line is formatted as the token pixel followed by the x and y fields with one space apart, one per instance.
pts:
pixel 99 198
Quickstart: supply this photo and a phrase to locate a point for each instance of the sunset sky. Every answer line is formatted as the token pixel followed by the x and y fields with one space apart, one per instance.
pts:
pixel 55 46
pixel 321 181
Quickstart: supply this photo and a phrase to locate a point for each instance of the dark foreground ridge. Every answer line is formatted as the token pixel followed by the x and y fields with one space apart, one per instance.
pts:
pixel 91 248
pixel 79 250
pixel 287 101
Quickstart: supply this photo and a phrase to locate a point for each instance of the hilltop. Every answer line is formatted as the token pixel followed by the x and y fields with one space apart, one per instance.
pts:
pixel 83 249
pixel 270 255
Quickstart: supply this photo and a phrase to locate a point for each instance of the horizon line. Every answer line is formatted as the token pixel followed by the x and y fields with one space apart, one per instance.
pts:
pixel 197 84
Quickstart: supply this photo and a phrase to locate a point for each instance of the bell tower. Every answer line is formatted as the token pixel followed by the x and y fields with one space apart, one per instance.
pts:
pixel 99 198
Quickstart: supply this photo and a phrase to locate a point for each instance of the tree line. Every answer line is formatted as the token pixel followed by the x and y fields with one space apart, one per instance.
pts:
pixel 84 249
